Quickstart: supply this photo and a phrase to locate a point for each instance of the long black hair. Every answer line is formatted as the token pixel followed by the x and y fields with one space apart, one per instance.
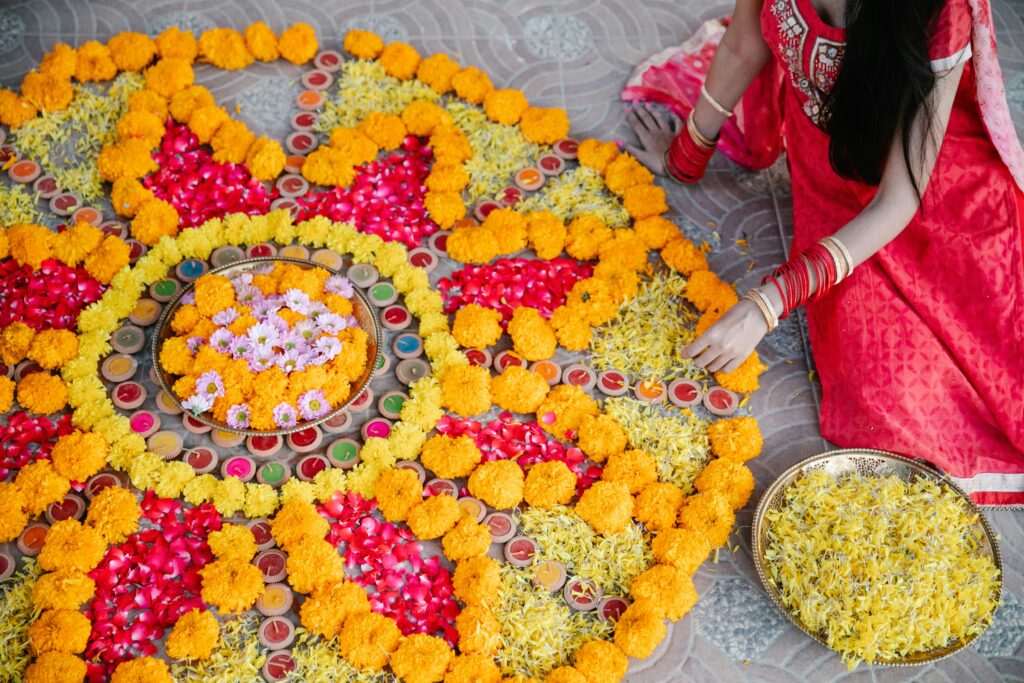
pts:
pixel 884 81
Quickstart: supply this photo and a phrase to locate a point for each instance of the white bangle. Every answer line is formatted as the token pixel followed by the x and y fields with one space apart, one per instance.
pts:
pixel 713 102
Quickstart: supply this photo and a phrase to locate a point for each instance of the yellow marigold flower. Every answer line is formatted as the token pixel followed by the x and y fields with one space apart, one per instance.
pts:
pixel 448 178
pixel 473 669
pixel 476 327
pixel 466 390
pixel 586 234
pixel 177 44
pixel 657 505
pixel 639 630
pixel 231 585
pixel 644 201
pixel 437 71
pixel 142 670
pixel 571 327
pixel 47 92
pixel 114 513
pixel 737 439
pixel 125 159
pixel 328 166
pixel 154 219
pixel 473 244
pixel 107 261
pixel 532 336
pixel 546 234
pixel 169 76
pixel 398 491
pixel 707 292
pixel 472 84
pixel 79 455
pixel 655 231
pixel 15 110
pixel 479 631
pixel 564 410
pixel 682 256
pixel 669 590
pixel 595 299
pixel 205 121
pixel 59 630
pixel 131 51
pixel 224 48
pixel 434 516
pixel 505 106
pixel 421 117
pixel 625 172
pixel 127 195
pixel 732 479
pixel 450 457
pixel 710 514
pixel 327 608
pixel 40 485
pixel 30 244
pixel 7 386
pixel 519 390
pixel 70 545
pixel 744 379
pixel 231 142
pixel 468 539
pixel 565 674
pixel 601 662
pixel 477 580
pixel 94 63
pixel 75 243
pixel 52 348
pixel 261 42
pixel 142 126
pixel 421 659
pixel 63 589
pixel 15 341
pixel 296 522
pixel 42 393
pixel 56 667
pixel 607 507
pixel 548 484
pixel 298 43
pixel 233 542
pixel 60 62
pixel 194 635
pixel 544 126
pixel 498 483
pixel 367 640
pixel 400 60
pixel 636 469
pixel 509 227
pixel 363 44
pixel 185 102
pixel 13 516
pixel 386 130
pixel 684 549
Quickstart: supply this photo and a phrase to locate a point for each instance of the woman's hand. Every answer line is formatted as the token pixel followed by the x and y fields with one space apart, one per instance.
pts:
pixel 656 131
pixel 729 341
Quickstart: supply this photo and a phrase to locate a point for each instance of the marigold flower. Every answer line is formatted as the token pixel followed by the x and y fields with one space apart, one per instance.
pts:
pixel 142 126
pixel 473 668
pixel 363 44
pixel 155 219
pixel 107 261
pixel 60 62
pixel 586 233
pixel 477 580
pixel 231 585
pixel 233 542
pixel 546 234
pixel 328 607
pixel 607 507
pixel 682 256
pixel 296 522
pixel 205 121
pixel 231 142
pixel 56 667
pixel 639 630
pixel 644 201
pixel 131 51
pixel 177 44
pixel 450 144
pixel 142 670
pixel 298 43
pixel 261 42
pixel 314 564
pixel 625 172
pixel 706 320
pixel 549 484
pixel 63 589
pixel 565 674
pixel 59 630
pixel 472 84
pixel 15 109
pixel 47 92
pixel 224 48
pixel 30 244
pixel 185 102
pixel 7 386
pixel 657 505
pixel 40 485
pixel 94 63
pixel 13 516
pixel 15 341
pixel 328 166
pixel 70 545
pixel 709 513
pixel 265 158
pixel 469 244
pixel 77 242
pixel 194 635
pixel 564 410
pixel 684 549
pixel 42 393
pixel 386 130
pixel 736 438
pixel 519 390
pixel 744 379
pixel 669 590
pixel 732 479
pixel 79 455
pixel 468 539
pixel 450 457
pixel 532 336
pixel 437 71
pixel 421 117
pixel 707 292
pixel 169 76
pixel 601 662
pixel 128 194
pixel 466 390
pixel 367 640
pixel 595 299
pixel 479 631
pixel 114 513
pixel 434 516
pixel 398 490
pixel 125 159
pixel 400 60
pixel 509 227
pixel 655 231
pixel 421 658
pixel 572 329
pixel 544 126
pixel 476 327
pixel 505 106
pixel 498 483
pixel 636 469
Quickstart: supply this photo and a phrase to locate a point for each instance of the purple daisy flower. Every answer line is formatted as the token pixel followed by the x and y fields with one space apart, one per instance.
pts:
pixel 336 284
pixel 243 278
pixel 285 415
pixel 263 335
pixel 260 359
pixel 248 295
pixel 225 317
pixel 197 404
pixel 327 348
pixel 313 404
pixel 241 347
pixel 305 329
pixel 193 343
pixel 189 298
pixel 222 340
pixel 317 309
pixel 210 385
pixel 297 300
pixel 238 416
pixel 330 323
pixel 350 321
pixel 261 308
pixel 292 361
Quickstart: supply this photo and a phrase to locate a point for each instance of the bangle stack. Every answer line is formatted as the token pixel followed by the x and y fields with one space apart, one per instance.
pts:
pixel 765 305
pixel 688 156
pixel 829 261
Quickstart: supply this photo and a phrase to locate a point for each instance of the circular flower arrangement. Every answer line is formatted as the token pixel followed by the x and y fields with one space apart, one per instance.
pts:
pixel 527 497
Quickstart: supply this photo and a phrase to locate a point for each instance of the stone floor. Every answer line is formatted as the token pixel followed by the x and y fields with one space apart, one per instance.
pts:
pixel 576 54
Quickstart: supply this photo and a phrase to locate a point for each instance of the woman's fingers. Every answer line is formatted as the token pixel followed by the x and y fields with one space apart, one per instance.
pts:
pixel 720 363
pixel 733 364
pixel 659 117
pixel 635 122
pixel 645 115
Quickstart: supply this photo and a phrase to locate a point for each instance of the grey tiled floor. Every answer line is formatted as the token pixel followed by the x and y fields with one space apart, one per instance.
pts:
pixel 577 54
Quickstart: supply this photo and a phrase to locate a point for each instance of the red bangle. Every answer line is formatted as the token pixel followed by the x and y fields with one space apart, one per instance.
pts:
pixel 686 160
pixel 793 278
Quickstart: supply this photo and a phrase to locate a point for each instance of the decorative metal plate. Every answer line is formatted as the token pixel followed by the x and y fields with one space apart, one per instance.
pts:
pixel 361 309
pixel 866 462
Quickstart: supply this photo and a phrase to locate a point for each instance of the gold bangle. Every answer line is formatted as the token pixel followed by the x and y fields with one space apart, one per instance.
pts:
pixel 697 136
pixel 713 102
pixel 837 259
pixel 752 295
pixel 668 169
pixel 846 255
pixel 768 305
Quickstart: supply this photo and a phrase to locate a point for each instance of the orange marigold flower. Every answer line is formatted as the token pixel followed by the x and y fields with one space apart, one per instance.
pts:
pixel 655 231
pixel 261 42
pixel 194 635
pixel 586 234
pixel 532 336
pixel 519 390
pixel 63 589
pixel 131 51
pixel 15 341
pixel 205 121
pixel 154 219
pixel 437 71
pixel 40 485
pixel 59 630
pixel 636 469
pixel 710 514
pixel 142 670
pixel 142 126
pixel 169 76
pixel 13 516
pixel 745 378
pixel 639 630
pixel 472 84
pixel 596 154
pixel 363 44
pixel 398 490
pixel 233 542
pixel 732 479
pixel 473 669
pixel 60 62
pixel 30 244
pixel 328 607
pixel 564 410
pixel 447 208
pixel 707 292
pixel 7 386
pixel 736 438
pixel 625 172
pixel 75 243
pixel 476 327
pixel 296 522
pixel 623 252
pixel 186 101
pixel 595 299
pixel 479 631
pixel 367 640
pixel 571 327
pixel 314 564
pixel 56 667
pixel 601 437
pixel 498 483
pixel 601 662
pixel 265 158
pixel 447 178
pixel 644 201
pixel 450 457
pixel 400 60
pixel 125 159
pixel 107 261
pixel 231 142
pixel 15 109
pixel 505 106
pixel 328 166
pixel 421 659
pixel 224 48
pixel 434 516
pixel 466 390
pixel 682 256
pixel 355 144
pixel 684 549
pixel 546 234
pixel 177 44
pixel 79 455
pixel 47 92
pixel 544 126
pixel 298 43
pixel 509 227
pixel 450 144
pixel 94 63
pixel 114 513
pixel 42 393
pixel 127 195
pixel 565 674
pixel 468 539
pixel 477 580
pixel 548 484
pixel 422 116
pixel 386 130
pixel 472 244
pixel 669 590
pixel 657 505
pixel 70 545
pixel 231 585
pixel 607 507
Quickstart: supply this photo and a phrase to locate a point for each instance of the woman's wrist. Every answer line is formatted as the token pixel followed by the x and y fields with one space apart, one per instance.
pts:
pixel 707 121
